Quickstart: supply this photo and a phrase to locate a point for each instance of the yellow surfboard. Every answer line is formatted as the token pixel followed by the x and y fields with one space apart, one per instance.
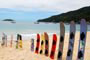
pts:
pixel 20 43
pixel 42 44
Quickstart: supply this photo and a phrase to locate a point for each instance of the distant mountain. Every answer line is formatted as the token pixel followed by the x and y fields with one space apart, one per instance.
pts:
pixel 75 15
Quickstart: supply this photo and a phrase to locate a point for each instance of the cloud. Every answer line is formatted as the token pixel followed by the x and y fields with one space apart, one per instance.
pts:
pixel 44 5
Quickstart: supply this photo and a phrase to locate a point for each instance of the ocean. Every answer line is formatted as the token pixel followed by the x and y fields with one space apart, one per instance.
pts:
pixel 31 29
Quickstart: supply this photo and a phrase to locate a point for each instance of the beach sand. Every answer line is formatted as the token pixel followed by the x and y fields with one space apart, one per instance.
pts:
pixel 8 53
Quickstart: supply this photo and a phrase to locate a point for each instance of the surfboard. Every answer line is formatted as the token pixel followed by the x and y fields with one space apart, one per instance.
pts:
pixel 46 44
pixel 32 44
pixel 71 41
pixel 20 41
pixel 3 39
pixel 42 44
pixel 37 44
pixel 17 41
pixel 11 41
pixel 53 46
pixel 82 41
pixel 61 41
pixel 6 40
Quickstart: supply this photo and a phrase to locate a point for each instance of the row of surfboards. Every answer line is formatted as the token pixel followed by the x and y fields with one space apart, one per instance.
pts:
pixel 18 41
pixel 45 40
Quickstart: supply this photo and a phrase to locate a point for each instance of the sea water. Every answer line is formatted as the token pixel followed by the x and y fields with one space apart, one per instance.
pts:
pixel 31 29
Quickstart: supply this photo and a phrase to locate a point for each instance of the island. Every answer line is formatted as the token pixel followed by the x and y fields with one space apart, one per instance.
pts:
pixel 9 20
pixel 75 15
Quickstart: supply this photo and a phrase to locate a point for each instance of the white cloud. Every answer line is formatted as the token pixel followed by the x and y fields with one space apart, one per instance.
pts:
pixel 44 5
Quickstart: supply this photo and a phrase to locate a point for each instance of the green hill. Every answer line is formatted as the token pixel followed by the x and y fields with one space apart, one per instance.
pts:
pixel 75 15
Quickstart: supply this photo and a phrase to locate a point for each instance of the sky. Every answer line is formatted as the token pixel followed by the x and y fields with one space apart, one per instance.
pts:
pixel 32 10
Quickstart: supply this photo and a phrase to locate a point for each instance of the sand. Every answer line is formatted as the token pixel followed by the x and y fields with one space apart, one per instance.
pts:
pixel 11 53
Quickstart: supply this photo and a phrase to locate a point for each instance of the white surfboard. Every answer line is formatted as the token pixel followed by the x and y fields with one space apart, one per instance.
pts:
pixel 61 42
pixel 71 41
pixel 82 41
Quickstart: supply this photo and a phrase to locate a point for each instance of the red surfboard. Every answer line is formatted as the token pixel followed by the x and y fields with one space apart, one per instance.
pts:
pixel 53 46
pixel 46 44
pixel 37 44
